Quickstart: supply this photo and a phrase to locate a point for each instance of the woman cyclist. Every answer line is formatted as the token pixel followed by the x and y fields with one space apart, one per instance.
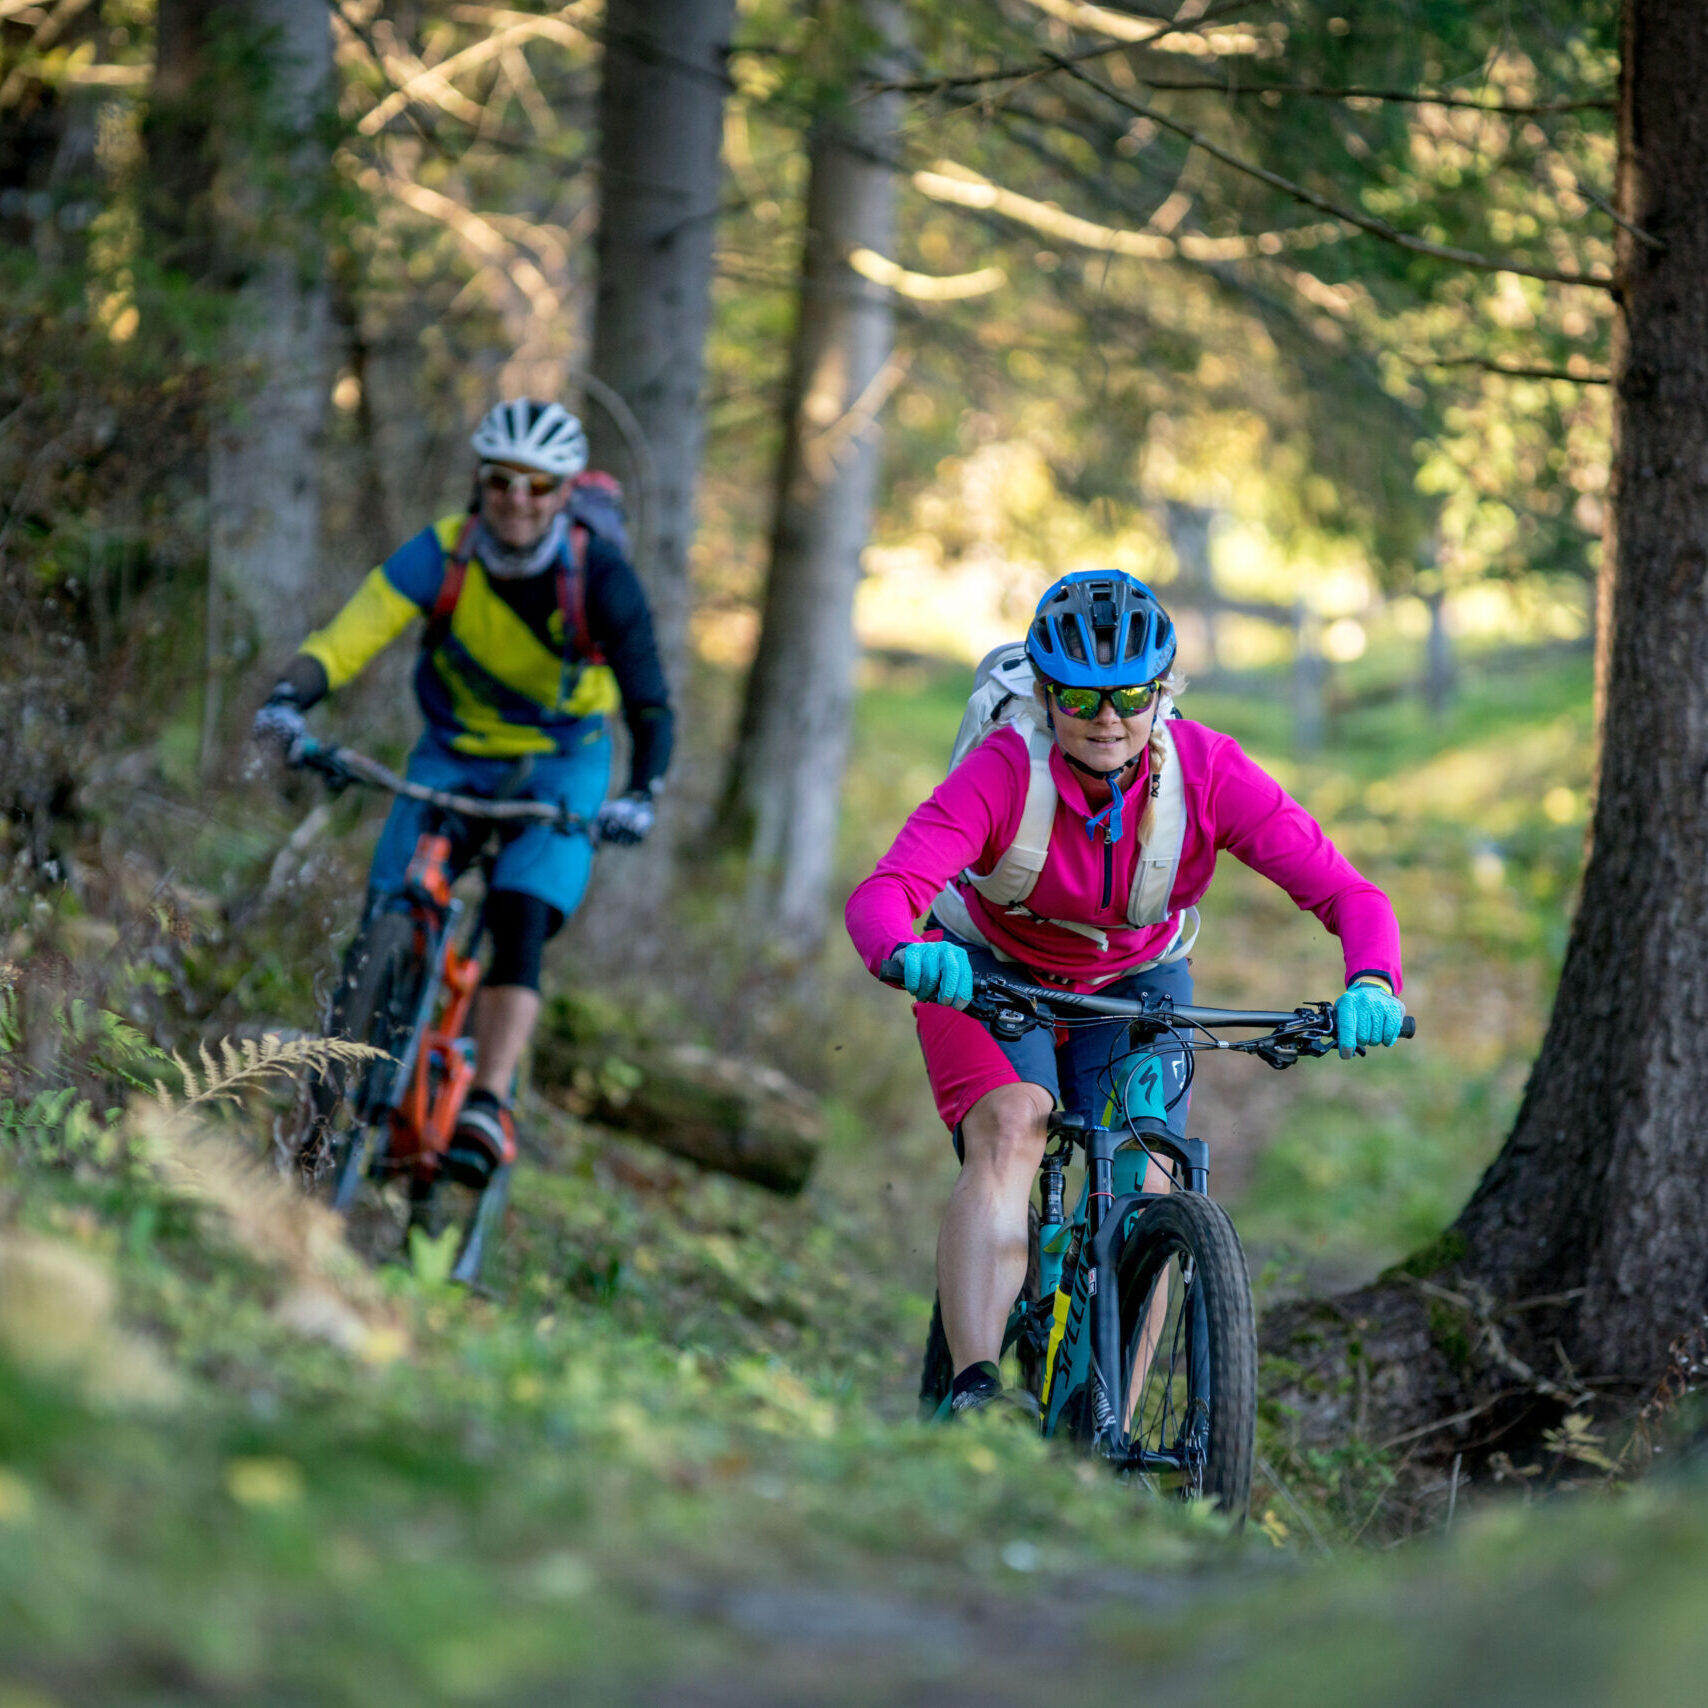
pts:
pixel 1097 894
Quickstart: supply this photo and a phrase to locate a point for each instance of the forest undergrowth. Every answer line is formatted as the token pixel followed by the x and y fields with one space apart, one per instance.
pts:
pixel 671 1456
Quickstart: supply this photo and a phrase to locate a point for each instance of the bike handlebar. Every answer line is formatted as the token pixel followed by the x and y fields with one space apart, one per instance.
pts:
pixel 990 990
pixel 344 765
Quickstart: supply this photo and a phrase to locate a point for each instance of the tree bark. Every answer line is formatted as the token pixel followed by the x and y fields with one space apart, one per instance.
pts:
pixel 263 478
pixel 1583 1254
pixel 660 124
pixel 178 138
pixel 661 101
pixel 784 784
pixel 1599 1187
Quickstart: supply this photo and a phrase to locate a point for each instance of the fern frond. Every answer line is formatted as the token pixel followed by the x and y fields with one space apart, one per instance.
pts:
pixel 272 1057
pixel 192 1085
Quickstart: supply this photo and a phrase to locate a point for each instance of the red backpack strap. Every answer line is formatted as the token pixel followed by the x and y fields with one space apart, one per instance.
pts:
pixel 450 587
pixel 572 597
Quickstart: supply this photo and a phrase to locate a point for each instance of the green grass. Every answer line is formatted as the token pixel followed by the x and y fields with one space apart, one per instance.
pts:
pixel 673 1458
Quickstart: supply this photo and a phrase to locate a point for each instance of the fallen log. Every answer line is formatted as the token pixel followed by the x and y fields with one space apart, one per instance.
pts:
pixel 720 1112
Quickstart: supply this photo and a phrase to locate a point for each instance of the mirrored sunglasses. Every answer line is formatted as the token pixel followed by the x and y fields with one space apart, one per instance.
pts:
pixel 1088 702
pixel 496 478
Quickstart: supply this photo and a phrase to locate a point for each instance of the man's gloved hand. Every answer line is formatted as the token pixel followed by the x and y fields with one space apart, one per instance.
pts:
pixel 626 819
pixel 280 723
pixel 1367 1014
pixel 937 972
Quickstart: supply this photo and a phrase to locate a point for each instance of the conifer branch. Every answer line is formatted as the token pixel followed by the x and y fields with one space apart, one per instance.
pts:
pixel 1033 68
pixel 1340 210
pixel 1512 370
pixel 1412 97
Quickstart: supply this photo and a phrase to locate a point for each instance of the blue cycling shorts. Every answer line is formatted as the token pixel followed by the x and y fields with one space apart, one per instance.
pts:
pixel 533 859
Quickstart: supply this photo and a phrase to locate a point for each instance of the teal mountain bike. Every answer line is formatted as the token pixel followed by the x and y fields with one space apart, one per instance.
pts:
pixel 1135 1332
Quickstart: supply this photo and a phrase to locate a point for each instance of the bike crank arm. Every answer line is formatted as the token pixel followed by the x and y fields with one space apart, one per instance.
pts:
pixel 1146 1459
pixel 483 1225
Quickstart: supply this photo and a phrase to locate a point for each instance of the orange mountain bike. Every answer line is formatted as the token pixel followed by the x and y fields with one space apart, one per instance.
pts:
pixel 407 987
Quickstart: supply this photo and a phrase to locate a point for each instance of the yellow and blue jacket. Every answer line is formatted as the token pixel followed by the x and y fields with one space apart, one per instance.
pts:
pixel 503 679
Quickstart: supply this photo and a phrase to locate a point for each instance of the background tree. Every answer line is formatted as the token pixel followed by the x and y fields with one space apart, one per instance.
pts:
pixel 1584 1251
pixel 264 442
pixel 661 94
pixel 236 199
pixel 785 781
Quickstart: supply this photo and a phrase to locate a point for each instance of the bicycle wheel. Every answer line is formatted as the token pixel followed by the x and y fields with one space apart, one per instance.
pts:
pixel 937 1369
pixel 1189 1352
pixel 377 997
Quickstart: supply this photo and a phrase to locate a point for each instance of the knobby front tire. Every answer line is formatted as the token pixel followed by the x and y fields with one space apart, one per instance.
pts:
pixel 1189 1344
pixel 378 992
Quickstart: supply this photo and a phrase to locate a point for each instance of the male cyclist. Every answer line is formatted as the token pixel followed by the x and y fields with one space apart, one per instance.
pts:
pixel 1072 845
pixel 536 629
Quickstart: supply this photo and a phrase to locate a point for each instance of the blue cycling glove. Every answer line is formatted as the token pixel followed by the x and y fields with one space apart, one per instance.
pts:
pixel 1366 1014
pixel 937 972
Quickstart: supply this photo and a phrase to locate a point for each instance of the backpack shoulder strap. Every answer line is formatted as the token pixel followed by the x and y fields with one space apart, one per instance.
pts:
pixel 1011 879
pixel 572 595
pixel 450 587
pixel 1159 861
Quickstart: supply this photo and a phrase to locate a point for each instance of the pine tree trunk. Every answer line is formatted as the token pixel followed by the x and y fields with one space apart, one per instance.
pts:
pixel 1583 1252
pixel 661 124
pixel 264 444
pixel 1599 1187
pixel 787 773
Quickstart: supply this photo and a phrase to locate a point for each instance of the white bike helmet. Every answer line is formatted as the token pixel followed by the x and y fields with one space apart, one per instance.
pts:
pixel 533 434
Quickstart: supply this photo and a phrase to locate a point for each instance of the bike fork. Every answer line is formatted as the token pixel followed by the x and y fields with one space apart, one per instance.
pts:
pixel 1101 1297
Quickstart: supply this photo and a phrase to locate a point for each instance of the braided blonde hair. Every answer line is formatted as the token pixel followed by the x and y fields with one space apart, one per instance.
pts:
pixel 1172 684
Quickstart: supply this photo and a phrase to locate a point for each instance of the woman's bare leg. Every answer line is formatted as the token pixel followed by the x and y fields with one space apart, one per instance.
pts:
pixel 981 1246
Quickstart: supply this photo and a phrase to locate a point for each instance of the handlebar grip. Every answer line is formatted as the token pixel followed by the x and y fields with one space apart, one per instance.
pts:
pixel 1408 1026
pixel 892 970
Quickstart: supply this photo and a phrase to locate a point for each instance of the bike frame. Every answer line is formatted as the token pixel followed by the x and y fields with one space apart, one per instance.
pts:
pixel 1078 1255
pixel 418 1113
pixel 1084 1374
pixel 425 1094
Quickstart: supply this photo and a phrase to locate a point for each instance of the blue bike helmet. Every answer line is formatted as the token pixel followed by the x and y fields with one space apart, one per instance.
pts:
pixel 1100 628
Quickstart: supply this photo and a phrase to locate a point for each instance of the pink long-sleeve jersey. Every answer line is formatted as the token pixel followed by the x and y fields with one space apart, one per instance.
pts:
pixel 974 813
